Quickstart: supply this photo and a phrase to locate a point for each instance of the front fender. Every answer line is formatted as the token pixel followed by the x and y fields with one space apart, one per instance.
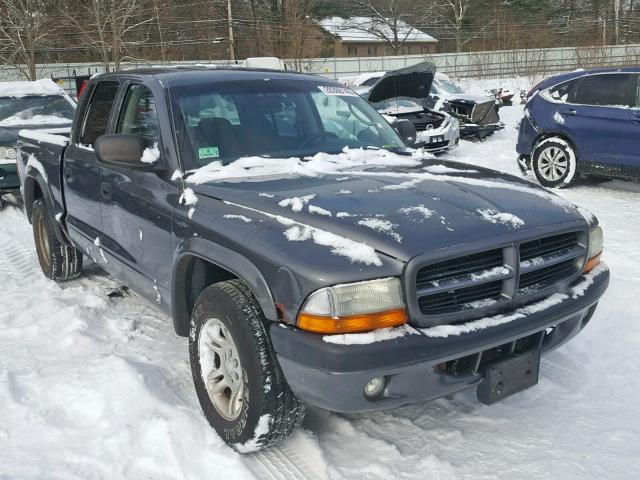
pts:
pixel 224 258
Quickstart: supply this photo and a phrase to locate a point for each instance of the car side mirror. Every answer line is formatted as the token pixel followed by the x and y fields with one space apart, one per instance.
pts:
pixel 407 131
pixel 127 150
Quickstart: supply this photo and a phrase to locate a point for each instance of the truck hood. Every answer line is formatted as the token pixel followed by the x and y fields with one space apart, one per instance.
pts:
pixel 399 211
pixel 412 82
pixel 9 134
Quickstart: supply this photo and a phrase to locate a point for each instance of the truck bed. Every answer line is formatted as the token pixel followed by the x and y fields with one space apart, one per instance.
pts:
pixel 40 153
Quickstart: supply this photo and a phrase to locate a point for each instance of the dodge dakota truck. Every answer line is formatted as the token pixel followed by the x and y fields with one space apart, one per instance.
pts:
pixel 308 255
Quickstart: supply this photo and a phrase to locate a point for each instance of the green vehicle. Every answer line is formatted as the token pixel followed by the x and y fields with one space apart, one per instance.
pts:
pixel 39 105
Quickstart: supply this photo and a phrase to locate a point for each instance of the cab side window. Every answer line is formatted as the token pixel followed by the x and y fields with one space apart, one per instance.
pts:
pixel 98 112
pixel 138 115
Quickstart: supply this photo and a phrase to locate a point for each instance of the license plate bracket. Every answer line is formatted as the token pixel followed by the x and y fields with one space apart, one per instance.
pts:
pixel 437 139
pixel 506 377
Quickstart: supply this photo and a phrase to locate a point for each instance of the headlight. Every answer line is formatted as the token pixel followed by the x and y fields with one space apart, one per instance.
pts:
pixel 596 245
pixel 354 307
pixel 7 152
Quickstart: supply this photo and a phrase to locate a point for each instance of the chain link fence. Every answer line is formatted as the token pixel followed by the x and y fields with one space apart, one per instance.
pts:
pixel 490 64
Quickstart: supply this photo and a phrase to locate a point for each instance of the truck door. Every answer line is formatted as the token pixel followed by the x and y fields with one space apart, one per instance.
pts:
pixel 137 205
pixel 81 173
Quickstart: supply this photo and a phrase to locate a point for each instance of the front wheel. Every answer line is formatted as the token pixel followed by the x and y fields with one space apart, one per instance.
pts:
pixel 554 163
pixel 239 384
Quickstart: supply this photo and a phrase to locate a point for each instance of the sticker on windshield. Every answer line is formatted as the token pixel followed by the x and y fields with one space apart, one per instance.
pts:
pixel 337 91
pixel 208 152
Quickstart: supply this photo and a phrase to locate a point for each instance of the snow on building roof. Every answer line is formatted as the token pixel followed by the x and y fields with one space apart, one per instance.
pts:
pixel 360 29
pixel 24 89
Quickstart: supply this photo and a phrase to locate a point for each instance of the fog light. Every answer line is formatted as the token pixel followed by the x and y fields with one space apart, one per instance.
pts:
pixel 374 387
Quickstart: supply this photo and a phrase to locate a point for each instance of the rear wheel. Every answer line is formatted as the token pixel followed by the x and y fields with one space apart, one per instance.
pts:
pixel 554 163
pixel 58 261
pixel 239 384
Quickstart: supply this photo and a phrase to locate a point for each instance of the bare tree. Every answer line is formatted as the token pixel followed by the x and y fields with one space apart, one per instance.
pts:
pixel 23 31
pixel 106 25
pixel 455 14
pixel 389 20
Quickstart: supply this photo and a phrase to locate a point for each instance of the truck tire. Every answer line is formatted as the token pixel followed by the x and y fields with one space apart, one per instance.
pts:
pixel 554 163
pixel 58 261
pixel 239 383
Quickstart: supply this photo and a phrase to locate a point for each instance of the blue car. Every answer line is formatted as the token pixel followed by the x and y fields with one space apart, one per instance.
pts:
pixel 584 122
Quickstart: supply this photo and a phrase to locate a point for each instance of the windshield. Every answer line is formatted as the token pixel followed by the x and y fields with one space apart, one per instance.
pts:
pixel 275 118
pixel 47 109
pixel 448 86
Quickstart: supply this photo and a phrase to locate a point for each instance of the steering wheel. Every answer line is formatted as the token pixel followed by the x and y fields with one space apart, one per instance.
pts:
pixel 315 137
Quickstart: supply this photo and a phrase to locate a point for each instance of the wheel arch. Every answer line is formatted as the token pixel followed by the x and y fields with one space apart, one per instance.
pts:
pixel 557 134
pixel 201 263
pixel 35 188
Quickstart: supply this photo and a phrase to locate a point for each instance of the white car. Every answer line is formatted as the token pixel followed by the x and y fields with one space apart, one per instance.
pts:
pixel 402 95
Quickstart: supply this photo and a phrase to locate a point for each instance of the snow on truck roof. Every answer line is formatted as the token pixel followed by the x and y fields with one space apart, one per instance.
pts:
pixel 24 89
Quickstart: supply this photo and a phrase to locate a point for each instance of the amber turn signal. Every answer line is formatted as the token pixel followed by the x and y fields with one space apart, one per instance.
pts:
pixel 352 323
pixel 592 263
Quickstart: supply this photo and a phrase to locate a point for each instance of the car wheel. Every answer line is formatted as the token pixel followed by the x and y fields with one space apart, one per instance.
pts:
pixel 239 383
pixel 58 261
pixel 554 163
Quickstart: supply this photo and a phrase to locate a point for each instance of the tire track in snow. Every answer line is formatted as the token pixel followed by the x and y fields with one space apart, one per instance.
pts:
pixel 281 462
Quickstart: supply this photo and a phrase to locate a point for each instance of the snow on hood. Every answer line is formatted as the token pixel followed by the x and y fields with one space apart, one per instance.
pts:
pixel 23 89
pixel 399 205
pixel 34 120
pixel 411 82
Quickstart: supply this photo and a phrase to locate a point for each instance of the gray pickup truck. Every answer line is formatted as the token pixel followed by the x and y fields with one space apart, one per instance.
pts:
pixel 309 256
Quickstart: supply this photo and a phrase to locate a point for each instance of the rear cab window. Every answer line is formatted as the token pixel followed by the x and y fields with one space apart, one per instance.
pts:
pixel 96 120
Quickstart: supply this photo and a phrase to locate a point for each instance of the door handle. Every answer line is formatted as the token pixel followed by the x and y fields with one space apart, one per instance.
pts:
pixel 635 118
pixel 105 190
pixel 571 113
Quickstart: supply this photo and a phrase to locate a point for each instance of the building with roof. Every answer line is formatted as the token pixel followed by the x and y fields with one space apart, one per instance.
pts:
pixel 370 37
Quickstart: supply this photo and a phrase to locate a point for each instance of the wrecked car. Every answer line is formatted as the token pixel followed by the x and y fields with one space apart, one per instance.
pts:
pixel 585 122
pixel 401 95
pixel 307 254
pixel 478 114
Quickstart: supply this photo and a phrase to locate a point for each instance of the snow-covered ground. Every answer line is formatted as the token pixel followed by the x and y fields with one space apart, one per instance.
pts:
pixel 95 385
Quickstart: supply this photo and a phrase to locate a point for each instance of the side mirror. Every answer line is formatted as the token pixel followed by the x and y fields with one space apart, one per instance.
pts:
pixel 126 150
pixel 407 131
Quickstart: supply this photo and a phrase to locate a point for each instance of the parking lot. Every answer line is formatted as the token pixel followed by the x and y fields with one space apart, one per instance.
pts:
pixel 103 385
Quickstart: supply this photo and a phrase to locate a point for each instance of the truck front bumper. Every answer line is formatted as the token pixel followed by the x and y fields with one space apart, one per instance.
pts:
pixel 419 367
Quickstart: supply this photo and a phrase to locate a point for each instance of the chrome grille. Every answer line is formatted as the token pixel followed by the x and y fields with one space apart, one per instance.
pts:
pixel 493 278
